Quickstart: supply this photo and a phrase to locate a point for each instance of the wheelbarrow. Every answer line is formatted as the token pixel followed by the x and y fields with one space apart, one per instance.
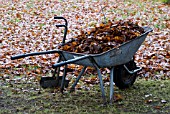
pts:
pixel 120 61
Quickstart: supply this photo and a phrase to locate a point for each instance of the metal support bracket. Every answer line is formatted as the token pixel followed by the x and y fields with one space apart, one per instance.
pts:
pixel 132 71
pixel 111 84
pixel 78 78
pixel 101 84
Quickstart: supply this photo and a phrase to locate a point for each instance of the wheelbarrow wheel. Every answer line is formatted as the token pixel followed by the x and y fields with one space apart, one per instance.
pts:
pixel 122 78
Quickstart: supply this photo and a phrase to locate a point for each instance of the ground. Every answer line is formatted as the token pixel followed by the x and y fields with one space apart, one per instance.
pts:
pixel 20 96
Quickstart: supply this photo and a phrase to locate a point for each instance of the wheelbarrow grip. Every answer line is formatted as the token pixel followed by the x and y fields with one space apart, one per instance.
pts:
pixel 58 17
pixel 61 26
pixel 70 61
pixel 34 53
pixel 18 56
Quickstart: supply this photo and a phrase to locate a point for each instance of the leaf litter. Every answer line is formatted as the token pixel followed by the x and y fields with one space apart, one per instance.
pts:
pixel 104 37
pixel 28 26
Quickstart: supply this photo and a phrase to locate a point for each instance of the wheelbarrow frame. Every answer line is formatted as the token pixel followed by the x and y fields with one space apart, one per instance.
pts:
pixel 111 58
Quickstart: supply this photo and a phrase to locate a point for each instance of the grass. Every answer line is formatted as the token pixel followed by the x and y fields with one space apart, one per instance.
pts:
pixel 143 97
pixel 164 1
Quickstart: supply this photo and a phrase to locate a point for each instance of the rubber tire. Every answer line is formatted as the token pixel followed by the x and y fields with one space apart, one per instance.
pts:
pixel 122 78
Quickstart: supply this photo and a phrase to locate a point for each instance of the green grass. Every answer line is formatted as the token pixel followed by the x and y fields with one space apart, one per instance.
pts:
pixel 164 1
pixel 143 97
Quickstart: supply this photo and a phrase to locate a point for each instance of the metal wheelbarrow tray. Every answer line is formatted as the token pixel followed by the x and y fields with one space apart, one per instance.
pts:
pixel 119 60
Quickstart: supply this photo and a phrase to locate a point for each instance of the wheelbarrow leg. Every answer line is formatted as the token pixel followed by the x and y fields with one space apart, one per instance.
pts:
pixel 63 79
pixel 101 84
pixel 78 78
pixel 57 69
pixel 111 84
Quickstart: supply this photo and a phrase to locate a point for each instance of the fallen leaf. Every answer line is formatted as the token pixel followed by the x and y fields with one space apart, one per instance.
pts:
pixel 18 15
pixel 118 97
pixel 157 107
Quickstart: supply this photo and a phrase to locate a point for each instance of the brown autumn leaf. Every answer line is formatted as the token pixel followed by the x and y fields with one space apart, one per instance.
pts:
pixel 14 32
pixel 18 15
pixel 1 92
pixel 77 17
pixel 104 37
pixel 118 97
pixel 71 66
pixel 157 107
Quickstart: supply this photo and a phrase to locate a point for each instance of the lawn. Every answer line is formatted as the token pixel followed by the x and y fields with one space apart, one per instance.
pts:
pixel 144 97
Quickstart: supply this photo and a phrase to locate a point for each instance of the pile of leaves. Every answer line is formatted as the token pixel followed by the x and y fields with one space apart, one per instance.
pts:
pixel 103 37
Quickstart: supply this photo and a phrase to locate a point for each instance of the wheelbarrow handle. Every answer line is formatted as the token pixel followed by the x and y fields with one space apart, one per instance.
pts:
pixel 34 53
pixel 63 25
pixel 59 17
pixel 70 61
pixel 18 56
